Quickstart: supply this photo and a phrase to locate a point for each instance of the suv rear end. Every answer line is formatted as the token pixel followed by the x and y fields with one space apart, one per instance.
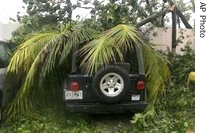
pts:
pixel 118 87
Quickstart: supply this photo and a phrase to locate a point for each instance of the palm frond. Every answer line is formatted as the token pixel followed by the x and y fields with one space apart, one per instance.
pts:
pixel 99 52
pixel 77 37
pixel 26 59
pixel 26 52
pixel 157 72
pixel 109 47
pixel 125 36
pixel 40 55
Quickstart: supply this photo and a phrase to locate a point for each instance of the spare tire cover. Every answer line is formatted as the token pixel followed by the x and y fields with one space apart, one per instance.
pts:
pixel 111 83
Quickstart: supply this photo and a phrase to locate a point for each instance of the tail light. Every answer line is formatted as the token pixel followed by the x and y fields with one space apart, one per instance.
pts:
pixel 74 86
pixel 140 85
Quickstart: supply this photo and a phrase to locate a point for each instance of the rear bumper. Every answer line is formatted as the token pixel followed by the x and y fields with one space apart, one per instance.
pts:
pixel 106 108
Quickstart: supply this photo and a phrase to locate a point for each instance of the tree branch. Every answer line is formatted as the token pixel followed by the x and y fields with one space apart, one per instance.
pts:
pixel 152 17
pixel 180 14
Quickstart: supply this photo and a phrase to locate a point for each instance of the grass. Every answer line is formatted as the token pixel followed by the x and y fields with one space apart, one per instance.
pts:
pixel 51 119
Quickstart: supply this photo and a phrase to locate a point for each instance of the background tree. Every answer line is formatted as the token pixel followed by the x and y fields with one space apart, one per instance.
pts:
pixel 108 14
pixel 113 12
pixel 40 16
pixel 50 12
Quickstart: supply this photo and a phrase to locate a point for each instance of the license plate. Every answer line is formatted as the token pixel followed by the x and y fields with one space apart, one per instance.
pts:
pixel 135 97
pixel 72 95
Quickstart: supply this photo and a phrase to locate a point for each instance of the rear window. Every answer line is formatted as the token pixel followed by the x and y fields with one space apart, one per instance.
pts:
pixel 131 58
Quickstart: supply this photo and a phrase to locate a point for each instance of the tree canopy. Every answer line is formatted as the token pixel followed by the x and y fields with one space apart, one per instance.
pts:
pixel 42 14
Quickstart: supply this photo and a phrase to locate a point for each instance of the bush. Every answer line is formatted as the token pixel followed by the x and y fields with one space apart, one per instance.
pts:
pixel 175 111
pixel 182 64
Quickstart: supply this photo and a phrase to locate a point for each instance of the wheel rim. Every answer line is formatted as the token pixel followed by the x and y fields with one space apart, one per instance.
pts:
pixel 111 84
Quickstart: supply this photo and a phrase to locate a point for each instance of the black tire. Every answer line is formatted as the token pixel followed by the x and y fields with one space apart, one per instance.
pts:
pixel 118 82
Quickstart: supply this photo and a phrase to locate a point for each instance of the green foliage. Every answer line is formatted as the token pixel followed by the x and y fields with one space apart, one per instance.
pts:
pixel 182 65
pixel 175 112
pixel 106 14
pixel 157 73
pixel 110 47
pixel 54 11
pixel 30 25
pixel 115 12
pixel 37 62
pixel 41 15
pixel 51 119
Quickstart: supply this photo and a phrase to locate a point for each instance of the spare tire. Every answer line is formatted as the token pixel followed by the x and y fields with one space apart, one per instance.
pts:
pixel 111 83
